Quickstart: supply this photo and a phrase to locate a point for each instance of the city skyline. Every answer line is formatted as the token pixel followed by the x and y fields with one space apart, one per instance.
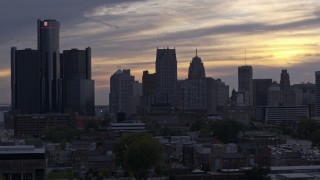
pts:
pixel 284 36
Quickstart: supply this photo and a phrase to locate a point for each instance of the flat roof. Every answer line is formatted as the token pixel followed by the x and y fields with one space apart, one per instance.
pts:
pixel 20 150
pixel 295 175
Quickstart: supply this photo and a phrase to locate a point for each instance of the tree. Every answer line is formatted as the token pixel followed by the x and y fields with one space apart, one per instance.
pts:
pixel 258 173
pixel 60 134
pixel 315 138
pixel 307 127
pixel 138 153
pixel 226 131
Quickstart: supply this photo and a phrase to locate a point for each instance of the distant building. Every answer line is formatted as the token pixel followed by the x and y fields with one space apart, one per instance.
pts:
pixel 217 95
pixel 245 82
pixel 78 87
pixel 260 91
pixel 317 74
pixel 166 76
pixel 25 80
pixel 286 114
pixel 193 94
pixel 148 83
pixel 284 80
pixel 22 162
pixel 33 125
pixel 196 68
pixel 274 96
pixel 193 91
pixel 121 90
pixel 48 46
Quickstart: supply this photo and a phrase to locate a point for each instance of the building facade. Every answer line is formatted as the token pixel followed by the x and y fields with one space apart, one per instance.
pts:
pixel 245 82
pixel 78 87
pixel 48 46
pixel 121 91
pixel 166 76
pixel 25 81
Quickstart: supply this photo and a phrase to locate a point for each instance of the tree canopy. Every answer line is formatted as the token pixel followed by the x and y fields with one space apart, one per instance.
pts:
pixel 226 131
pixel 138 153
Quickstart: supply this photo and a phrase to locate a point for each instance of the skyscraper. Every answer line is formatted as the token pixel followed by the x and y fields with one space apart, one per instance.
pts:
pixel 25 81
pixel 196 68
pixel 260 91
pixel 78 87
pixel 245 82
pixel 121 91
pixel 284 80
pixel 317 74
pixel 48 46
pixel 166 76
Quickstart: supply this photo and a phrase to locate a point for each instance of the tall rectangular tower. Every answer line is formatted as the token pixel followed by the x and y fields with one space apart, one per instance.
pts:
pixel 317 74
pixel 245 82
pixel 25 81
pixel 48 46
pixel 166 76
pixel 78 87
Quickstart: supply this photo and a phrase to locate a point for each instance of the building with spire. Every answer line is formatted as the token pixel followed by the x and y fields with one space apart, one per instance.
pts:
pixel 196 68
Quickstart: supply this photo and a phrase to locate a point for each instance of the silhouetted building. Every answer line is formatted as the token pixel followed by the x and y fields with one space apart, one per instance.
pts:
pixel 217 95
pixel 121 90
pixel 22 162
pixel 25 81
pixel 193 94
pixel 78 87
pixel 260 91
pixel 284 80
pixel 317 78
pixel 245 82
pixel 274 95
pixel 196 68
pixel 148 83
pixel 166 76
pixel 33 125
pixel 48 46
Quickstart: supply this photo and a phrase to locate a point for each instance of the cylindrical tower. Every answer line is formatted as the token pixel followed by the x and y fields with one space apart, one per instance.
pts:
pixel 48 46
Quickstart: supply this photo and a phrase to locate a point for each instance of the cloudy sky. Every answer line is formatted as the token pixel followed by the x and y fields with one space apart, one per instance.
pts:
pixel 125 34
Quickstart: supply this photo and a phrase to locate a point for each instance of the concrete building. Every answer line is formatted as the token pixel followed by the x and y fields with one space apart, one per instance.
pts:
pixel 121 91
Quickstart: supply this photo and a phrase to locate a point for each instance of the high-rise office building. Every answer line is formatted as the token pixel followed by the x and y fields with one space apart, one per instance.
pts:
pixel 78 87
pixel 245 83
pixel 260 91
pixel 284 80
pixel 36 76
pixel 196 68
pixel 25 81
pixel 148 83
pixel 121 91
pixel 166 76
pixel 48 46
pixel 317 78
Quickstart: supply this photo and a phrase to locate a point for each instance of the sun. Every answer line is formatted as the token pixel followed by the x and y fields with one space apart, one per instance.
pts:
pixel 287 54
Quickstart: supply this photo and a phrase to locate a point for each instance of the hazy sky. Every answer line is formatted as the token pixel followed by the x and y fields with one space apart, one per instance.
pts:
pixel 125 33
